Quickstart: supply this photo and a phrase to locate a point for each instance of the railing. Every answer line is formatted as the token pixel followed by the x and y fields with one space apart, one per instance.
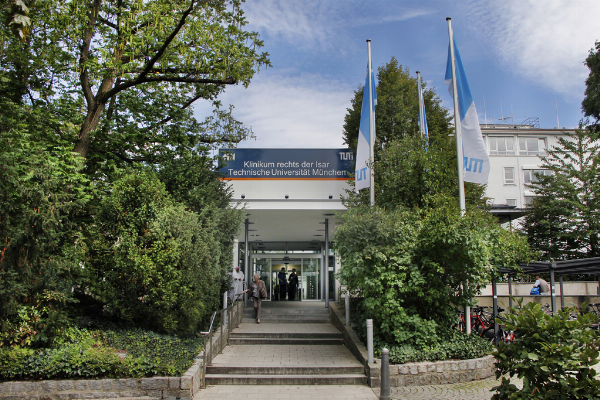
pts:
pixel 225 329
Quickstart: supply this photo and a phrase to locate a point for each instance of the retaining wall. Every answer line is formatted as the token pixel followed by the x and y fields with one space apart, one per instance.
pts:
pixel 412 374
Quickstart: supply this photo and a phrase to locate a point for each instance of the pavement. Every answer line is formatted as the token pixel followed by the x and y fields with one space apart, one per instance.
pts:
pixel 315 355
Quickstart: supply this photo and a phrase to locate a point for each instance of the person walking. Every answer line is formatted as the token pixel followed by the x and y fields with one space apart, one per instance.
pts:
pixel 257 288
pixel 293 285
pixel 282 284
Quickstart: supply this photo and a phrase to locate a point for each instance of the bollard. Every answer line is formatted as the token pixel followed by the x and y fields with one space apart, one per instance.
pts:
pixel 385 393
pixel 468 319
pixel 225 308
pixel 347 309
pixel 370 341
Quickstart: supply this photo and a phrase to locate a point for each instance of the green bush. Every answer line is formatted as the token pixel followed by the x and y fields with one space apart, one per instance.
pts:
pixel 410 265
pixel 158 264
pixel 170 354
pixel 553 354
pixel 83 353
pixel 445 344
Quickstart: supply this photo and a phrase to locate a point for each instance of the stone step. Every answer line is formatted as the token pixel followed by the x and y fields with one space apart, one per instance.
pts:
pixel 283 370
pixel 294 312
pixel 280 335
pixel 242 379
pixel 300 341
pixel 285 320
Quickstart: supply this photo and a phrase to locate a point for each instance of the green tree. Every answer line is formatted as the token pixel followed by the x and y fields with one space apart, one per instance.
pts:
pixel 397 109
pixel 157 263
pixel 42 190
pixel 409 265
pixel 591 102
pixel 122 74
pixel 564 220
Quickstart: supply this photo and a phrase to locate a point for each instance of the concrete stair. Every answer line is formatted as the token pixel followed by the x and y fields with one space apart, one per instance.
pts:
pixel 285 349
pixel 287 315
pixel 297 338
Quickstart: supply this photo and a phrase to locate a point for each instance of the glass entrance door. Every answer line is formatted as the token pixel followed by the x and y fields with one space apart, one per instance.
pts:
pixel 262 267
pixel 310 279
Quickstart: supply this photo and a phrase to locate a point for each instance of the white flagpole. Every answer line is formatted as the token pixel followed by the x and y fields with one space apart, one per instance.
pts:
pixel 459 152
pixel 371 129
pixel 421 128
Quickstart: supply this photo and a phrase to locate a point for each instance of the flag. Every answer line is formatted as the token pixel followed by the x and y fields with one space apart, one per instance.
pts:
pixel 362 175
pixel 422 115
pixel 476 163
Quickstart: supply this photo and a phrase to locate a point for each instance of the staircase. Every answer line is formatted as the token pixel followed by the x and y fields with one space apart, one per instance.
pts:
pixel 294 345
pixel 279 313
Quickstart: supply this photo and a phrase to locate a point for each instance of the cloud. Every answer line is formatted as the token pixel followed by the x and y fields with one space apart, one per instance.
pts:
pixel 287 112
pixel 545 41
pixel 321 24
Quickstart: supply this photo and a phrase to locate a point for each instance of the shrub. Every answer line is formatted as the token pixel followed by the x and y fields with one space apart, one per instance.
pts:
pixel 158 264
pixel 410 265
pixel 553 354
pixel 445 344
pixel 83 353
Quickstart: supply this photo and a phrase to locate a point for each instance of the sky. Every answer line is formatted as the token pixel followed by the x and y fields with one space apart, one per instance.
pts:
pixel 523 59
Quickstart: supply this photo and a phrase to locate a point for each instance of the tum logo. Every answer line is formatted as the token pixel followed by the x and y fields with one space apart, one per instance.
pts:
pixel 229 156
pixel 347 155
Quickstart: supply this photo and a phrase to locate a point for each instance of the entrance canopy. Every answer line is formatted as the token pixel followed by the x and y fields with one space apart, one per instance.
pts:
pixel 288 193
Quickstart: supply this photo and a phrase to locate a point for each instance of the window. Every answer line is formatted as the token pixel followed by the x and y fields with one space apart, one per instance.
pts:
pixel 509 175
pixel 530 175
pixel 502 146
pixel 511 202
pixel 532 146
pixel 529 201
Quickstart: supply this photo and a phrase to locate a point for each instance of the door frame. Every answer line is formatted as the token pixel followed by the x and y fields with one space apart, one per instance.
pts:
pixel 271 256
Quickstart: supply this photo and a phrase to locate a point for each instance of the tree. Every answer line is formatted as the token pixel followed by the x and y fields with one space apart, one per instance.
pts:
pixel 564 220
pixel 408 169
pixel 124 73
pixel 409 265
pixel 591 103
pixel 397 109
pixel 42 190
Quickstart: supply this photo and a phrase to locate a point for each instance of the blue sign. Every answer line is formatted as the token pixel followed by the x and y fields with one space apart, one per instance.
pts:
pixel 287 163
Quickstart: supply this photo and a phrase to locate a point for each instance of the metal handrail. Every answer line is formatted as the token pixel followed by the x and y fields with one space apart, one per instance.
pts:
pixel 209 335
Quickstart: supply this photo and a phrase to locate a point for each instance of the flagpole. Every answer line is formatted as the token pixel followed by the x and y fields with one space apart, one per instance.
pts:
pixel 459 151
pixel 371 129
pixel 421 129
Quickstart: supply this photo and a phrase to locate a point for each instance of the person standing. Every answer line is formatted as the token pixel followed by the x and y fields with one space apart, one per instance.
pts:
pixel 293 285
pixel 238 282
pixel 258 293
pixel 542 284
pixel 282 284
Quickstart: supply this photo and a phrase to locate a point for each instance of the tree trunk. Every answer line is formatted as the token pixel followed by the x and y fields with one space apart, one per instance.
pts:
pixel 90 124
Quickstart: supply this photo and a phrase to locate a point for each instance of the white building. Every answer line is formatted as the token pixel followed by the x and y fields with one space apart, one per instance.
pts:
pixel 515 152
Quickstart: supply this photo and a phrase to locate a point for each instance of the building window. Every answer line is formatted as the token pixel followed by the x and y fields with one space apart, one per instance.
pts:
pixel 532 146
pixel 529 201
pixel 511 202
pixel 502 146
pixel 509 175
pixel 531 175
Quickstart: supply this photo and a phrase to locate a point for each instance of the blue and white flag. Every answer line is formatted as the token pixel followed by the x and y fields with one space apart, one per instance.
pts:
pixel 422 115
pixel 362 176
pixel 476 163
